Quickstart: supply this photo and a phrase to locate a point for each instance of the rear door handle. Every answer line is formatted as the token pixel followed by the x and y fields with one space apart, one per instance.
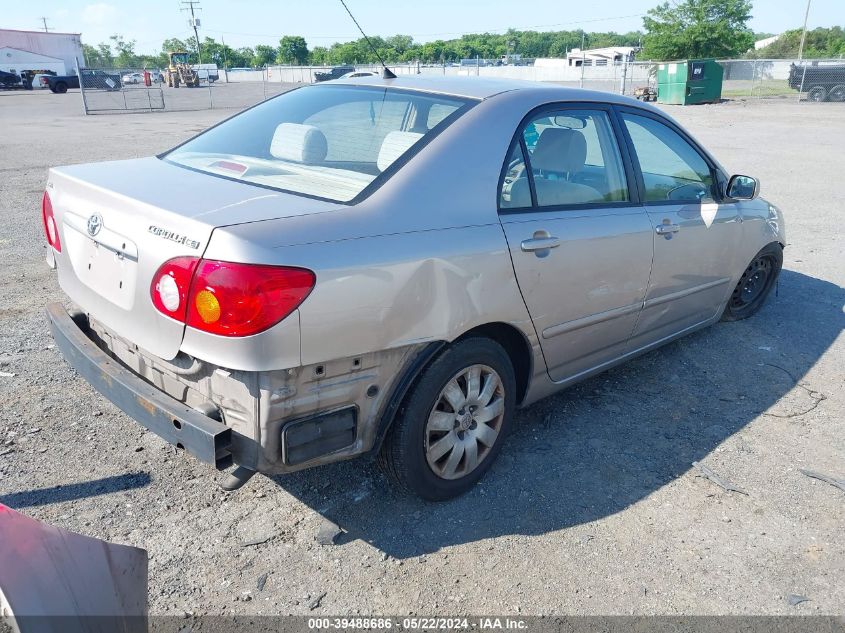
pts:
pixel 667 229
pixel 539 243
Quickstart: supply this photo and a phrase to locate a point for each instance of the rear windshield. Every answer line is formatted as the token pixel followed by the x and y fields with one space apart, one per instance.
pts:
pixel 324 141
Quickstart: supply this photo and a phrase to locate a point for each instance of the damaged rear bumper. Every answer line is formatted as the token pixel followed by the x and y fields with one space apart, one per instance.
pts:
pixel 206 439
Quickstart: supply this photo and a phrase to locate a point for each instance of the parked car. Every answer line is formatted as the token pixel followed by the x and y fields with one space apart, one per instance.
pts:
pixel 821 82
pixel 393 267
pixel 333 73
pixel 93 79
pixel 132 78
pixel 9 80
pixel 360 73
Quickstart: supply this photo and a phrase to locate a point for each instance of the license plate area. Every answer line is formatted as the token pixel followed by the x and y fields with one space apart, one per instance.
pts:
pixel 107 263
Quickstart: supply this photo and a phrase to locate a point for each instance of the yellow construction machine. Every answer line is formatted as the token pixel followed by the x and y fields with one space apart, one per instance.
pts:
pixel 179 71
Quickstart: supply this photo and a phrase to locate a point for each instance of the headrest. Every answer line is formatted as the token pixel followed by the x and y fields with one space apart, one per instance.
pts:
pixel 299 143
pixel 559 149
pixel 394 145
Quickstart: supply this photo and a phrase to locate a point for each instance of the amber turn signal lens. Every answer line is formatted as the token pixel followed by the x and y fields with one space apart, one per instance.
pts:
pixel 207 306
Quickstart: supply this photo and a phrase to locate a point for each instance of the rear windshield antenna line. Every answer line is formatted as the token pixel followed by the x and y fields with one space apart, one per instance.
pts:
pixel 386 73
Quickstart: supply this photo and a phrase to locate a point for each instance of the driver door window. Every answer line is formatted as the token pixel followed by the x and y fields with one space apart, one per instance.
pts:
pixel 672 168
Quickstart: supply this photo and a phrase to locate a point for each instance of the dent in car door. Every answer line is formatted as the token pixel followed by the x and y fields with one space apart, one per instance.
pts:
pixel 581 248
pixel 695 237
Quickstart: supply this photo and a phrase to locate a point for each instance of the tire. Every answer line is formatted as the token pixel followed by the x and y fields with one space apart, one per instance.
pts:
pixel 817 94
pixel 427 450
pixel 837 93
pixel 754 285
pixel 61 88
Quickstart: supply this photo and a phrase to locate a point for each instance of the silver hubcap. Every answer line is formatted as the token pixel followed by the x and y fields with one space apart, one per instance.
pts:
pixel 465 422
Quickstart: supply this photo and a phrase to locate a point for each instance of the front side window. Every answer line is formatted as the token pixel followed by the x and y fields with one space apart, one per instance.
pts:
pixel 573 159
pixel 324 141
pixel 672 168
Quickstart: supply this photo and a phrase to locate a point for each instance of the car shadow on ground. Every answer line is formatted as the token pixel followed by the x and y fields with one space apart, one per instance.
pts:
pixel 71 492
pixel 604 444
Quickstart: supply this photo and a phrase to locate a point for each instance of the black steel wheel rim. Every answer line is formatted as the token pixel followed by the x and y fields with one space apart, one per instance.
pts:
pixel 753 283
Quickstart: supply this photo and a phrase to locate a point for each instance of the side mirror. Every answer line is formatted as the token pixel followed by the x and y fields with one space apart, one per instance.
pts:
pixel 743 188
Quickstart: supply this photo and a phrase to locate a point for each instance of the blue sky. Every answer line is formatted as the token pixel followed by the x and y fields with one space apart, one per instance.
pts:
pixel 321 22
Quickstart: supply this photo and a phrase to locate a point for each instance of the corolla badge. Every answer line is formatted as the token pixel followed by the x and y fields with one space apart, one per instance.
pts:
pixel 95 223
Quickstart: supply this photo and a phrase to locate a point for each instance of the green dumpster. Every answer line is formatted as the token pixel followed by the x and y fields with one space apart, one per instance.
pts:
pixel 688 82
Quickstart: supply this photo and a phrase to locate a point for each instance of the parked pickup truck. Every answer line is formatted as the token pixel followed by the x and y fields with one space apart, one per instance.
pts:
pixel 93 79
pixel 820 82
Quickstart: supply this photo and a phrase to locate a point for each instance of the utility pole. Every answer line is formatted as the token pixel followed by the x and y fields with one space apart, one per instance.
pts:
pixel 189 5
pixel 46 28
pixel 583 60
pixel 801 50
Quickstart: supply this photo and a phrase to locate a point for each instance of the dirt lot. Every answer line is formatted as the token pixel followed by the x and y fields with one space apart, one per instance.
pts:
pixel 594 506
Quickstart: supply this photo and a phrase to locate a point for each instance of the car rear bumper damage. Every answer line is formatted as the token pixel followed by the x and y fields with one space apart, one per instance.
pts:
pixel 205 438
pixel 273 422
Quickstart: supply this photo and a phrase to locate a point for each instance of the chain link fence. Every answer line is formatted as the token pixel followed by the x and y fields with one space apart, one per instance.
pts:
pixel 126 90
pixel 115 90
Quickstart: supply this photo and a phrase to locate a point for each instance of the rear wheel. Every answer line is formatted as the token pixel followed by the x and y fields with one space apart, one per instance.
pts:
pixel 817 93
pixel 453 422
pixel 61 87
pixel 755 284
pixel 837 93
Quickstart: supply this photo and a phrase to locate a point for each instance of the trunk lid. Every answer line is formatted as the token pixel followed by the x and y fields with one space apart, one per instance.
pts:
pixel 119 221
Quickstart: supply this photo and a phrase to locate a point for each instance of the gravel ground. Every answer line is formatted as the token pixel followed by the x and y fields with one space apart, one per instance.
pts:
pixel 594 506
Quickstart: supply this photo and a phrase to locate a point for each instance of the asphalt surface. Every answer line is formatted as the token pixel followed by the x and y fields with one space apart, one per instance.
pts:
pixel 594 506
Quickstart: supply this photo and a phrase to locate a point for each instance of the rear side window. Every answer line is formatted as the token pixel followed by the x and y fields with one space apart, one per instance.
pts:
pixel 672 168
pixel 573 159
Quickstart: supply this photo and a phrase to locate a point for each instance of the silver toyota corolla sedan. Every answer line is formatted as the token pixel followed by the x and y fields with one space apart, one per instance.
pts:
pixel 391 267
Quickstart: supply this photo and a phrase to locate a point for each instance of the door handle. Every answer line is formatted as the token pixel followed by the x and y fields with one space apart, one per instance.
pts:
pixel 667 229
pixel 539 243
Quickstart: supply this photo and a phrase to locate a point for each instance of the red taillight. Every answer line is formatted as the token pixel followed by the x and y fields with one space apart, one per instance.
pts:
pixel 51 231
pixel 227 298
pixel 170 286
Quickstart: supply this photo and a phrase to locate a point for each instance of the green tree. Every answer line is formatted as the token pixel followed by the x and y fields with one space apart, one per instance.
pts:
pixel 293 50
pixel 99 56
pixel 698 28
pixel 126 57
pixel 820 42
pixel 264 55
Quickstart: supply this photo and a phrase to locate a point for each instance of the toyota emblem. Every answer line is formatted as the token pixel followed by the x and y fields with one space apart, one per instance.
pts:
pixel 95 223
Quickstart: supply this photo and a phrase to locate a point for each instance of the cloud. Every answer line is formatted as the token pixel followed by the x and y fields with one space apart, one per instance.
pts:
pixel 98 14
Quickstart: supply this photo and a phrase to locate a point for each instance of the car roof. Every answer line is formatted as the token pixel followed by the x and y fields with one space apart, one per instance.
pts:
pixel 485 87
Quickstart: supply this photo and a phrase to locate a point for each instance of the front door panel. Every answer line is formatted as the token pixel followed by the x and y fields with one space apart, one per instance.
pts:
pixel 693 267
pixel 694 235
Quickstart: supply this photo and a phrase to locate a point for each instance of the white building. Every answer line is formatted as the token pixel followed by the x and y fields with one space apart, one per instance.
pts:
pixel 600 56
pixel 37 50
pixel 13 60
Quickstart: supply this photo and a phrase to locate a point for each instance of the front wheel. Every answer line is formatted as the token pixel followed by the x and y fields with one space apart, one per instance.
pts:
pixel 755 284
pixel 452 424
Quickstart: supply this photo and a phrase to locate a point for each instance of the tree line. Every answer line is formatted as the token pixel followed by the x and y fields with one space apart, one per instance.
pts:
pixel 293 49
